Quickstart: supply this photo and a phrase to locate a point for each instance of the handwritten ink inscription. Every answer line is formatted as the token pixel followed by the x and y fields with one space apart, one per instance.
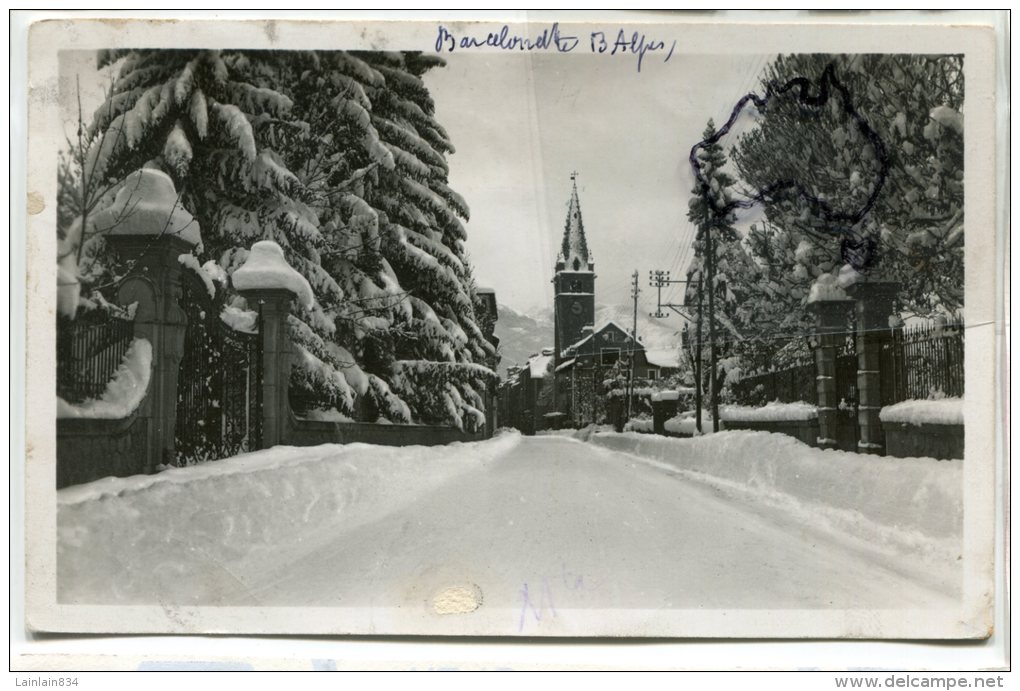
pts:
pixel 636 44
pixel 538 596
pixel 553 39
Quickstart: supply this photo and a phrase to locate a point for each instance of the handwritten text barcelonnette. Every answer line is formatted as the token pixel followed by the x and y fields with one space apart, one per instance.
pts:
pixel 553 39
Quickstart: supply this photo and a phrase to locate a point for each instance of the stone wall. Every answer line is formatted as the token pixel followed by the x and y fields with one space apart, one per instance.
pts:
pixel 803 430
pixel 905 440
pixel 89 449
pixel 312 432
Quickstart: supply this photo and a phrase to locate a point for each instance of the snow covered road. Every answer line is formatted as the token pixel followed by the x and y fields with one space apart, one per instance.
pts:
pixel 560 523
pixel 514 532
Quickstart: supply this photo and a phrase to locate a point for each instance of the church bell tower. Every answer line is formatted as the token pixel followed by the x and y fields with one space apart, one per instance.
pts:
pixel 573 282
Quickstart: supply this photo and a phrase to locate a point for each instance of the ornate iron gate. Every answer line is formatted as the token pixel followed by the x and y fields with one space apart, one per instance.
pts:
pixel 219 387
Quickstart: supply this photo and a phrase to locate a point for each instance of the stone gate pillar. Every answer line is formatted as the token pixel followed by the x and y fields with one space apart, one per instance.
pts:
pixel 274 308
pixel 830 325
pixel 148 229
pixel 874 306
pixel 270 285
pixel 664 407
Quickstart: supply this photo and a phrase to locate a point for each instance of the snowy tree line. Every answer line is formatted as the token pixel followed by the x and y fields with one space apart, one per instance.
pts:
pixel 911 234
pixel 338 158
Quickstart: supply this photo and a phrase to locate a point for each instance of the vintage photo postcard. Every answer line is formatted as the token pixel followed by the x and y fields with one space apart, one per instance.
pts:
pixel 615 329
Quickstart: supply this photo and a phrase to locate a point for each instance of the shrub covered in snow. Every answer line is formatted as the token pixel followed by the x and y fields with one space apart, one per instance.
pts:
pixel 68 280
pixel 639 425
pixel 686 423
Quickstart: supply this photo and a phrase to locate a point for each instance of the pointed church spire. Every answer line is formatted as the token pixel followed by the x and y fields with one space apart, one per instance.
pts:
pixel 574 254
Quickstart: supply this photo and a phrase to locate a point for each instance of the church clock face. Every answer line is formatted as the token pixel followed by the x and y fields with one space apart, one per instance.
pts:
pixel 575 307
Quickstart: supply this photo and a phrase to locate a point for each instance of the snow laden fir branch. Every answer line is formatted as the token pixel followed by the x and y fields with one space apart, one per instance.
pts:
pixel 337 158
pixel 913 105
pixel 810 138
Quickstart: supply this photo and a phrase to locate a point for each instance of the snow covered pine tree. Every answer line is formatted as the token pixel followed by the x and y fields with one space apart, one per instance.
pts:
pixel 709 213
pixel 338 159
pixel 914 104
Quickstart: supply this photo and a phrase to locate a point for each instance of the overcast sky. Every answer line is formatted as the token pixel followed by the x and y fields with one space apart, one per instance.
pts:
pixel 523 123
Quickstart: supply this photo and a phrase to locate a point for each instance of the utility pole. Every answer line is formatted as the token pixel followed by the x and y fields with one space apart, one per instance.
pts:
pixel 713 379
pixel 697 360
pixel 659 280
pixel 634 290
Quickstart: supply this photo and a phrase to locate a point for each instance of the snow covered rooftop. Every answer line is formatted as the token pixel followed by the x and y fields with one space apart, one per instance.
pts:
pixel 267 268
pixel 663 357
pixel 147 204
pixel 539 365
pixel 565 364
pixel 575 346
pixel 594 333
pixel 485 291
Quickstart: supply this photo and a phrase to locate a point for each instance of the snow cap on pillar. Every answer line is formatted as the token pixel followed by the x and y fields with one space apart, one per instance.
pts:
pixel 827 288
pixel 267 269
pixel 147 204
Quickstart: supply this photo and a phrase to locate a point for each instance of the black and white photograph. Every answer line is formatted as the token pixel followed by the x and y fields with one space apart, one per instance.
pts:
pixel 543 329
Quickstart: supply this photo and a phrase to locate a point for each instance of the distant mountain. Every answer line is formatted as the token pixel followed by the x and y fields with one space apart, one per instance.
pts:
pixel 521 335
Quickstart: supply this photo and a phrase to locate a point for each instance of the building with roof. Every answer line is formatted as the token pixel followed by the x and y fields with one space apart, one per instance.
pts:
pixel 568 384
pixel 601 364
pixel 573 282
pixel 525 395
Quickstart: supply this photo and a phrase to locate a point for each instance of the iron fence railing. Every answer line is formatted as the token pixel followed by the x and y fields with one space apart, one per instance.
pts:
pixel 90 348
pixel 796 383
pixel 925 361
pixel 919 362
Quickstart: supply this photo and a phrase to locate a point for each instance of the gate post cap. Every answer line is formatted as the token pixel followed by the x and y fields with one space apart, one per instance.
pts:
pixel 266 270
pixel 826 290
pixel 147 205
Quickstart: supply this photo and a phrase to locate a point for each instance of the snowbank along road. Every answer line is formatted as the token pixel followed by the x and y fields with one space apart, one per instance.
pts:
pixel 530 526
